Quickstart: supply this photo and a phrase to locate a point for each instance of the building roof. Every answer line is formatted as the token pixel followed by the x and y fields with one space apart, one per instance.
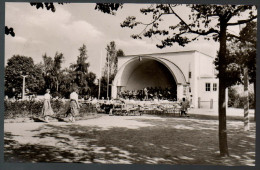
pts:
pixel 174 52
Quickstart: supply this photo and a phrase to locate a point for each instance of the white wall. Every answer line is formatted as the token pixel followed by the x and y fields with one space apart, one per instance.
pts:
pixel 206 65
pixel 182 59
pixel 206 96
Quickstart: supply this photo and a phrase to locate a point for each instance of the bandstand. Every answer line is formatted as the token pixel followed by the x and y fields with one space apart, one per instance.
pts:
pixel 190 73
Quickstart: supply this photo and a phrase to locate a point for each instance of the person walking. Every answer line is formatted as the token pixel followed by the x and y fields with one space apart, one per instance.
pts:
pixel 47 109
pixel 74 105
pixel 184 107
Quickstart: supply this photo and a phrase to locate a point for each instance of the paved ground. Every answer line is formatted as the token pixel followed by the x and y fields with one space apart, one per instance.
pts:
pixel 232 114
pixel 129 139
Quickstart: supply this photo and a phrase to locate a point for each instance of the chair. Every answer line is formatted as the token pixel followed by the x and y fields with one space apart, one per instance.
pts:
pixel 118 109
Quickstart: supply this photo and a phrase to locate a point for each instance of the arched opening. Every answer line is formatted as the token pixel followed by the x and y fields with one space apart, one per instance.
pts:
pixel 149 72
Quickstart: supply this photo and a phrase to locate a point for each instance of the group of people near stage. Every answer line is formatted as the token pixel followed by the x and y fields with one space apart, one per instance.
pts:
pixel 73 110
pixel 150 93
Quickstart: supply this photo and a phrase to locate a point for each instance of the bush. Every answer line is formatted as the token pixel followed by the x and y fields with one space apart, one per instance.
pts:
pixel 32 108
pixel 237 101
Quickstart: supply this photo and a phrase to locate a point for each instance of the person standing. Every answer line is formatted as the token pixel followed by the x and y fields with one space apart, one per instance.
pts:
pixel 145 94
pixel 74 105
pixel 47 109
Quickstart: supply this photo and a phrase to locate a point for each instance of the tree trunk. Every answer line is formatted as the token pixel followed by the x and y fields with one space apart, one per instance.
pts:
pixel 223 146
pixel 254 99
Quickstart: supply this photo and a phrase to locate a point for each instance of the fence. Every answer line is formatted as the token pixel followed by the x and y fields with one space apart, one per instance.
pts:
pixel 211 104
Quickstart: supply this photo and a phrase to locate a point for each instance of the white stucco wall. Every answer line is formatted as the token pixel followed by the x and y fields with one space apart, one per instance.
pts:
pixel 200 65
pixel 206 96
pixel 204 72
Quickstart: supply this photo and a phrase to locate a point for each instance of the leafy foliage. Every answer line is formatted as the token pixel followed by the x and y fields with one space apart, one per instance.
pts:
pixel 242 50
pixel 52 71
pixel 108 8
pixel 9 31
pixel 22 108
pixel 201 22
pixel 48 6
pixel 18 66
pixel 66 82
pixel 50 75
pixel 93 88
pixel 33 108
pixel 236 100
pixel 80 71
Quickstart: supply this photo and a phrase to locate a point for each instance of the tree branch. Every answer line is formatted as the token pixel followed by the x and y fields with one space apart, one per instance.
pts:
pixel 242 21
pixel 240 38
pixel 211 30
pixel 237 10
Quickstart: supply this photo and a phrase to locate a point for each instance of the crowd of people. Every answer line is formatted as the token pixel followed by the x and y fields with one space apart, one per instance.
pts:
pixel 150 93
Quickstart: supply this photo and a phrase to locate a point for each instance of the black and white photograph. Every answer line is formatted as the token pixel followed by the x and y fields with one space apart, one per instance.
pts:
pixel 130 83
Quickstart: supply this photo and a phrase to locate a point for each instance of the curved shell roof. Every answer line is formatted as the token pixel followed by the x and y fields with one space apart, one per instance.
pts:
pixel 128 68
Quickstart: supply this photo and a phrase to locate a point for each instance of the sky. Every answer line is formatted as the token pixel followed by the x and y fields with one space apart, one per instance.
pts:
pixel 40 31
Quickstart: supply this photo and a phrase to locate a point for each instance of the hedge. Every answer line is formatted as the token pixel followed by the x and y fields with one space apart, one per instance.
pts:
pixel 33 108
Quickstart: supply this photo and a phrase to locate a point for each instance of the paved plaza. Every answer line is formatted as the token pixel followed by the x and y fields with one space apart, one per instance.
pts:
pixel 146 139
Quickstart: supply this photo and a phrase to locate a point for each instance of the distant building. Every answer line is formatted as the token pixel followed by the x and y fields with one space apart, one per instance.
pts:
pixel 191 73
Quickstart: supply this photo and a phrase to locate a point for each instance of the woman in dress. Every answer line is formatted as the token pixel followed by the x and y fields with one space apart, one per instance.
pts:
pixel 74 105
pixel 47 109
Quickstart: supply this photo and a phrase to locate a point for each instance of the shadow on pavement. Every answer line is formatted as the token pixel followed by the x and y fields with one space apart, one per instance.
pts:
pixel 169 141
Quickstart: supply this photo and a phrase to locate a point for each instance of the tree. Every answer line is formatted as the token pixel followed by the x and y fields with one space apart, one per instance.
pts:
pixel 111 59
pixel 242 51
pixel 93 88
pixel 18 66
pixel 110 68
pixel 67 78
pixel 52 71
pixel 209 21
pixel 80 71
pixel 120 53
pixel 56 71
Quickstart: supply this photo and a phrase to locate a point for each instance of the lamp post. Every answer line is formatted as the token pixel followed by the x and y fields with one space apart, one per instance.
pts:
pixel 23 90
pixel 108 74
pixel 99 80
pixel 99 85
